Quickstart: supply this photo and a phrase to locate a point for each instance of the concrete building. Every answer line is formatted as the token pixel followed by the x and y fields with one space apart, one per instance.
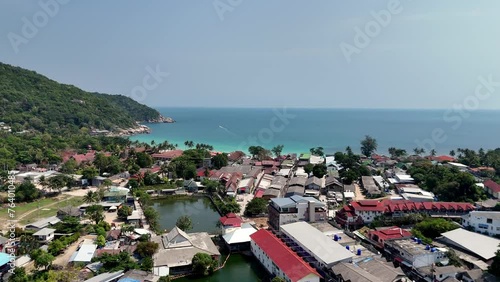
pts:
pixel 177 249
pixel 280 260
pixel 469 242
pixel 368 270
pixel 381 235
pixel 483 221
pixel 492 188
pixel 296 208
pixel 314 246
pixel 412 253
pixel 45 235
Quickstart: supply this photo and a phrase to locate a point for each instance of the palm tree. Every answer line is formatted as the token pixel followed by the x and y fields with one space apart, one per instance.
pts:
pixel 90 197
pixel 452 153
pixel 433 152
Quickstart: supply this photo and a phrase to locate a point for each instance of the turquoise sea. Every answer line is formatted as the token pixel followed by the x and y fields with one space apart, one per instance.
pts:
pixel 229 129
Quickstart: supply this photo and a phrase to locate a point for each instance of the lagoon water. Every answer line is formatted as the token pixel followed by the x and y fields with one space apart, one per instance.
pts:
pixel 229 129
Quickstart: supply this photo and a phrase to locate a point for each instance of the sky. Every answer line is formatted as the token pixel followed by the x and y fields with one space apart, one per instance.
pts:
pixel 260 53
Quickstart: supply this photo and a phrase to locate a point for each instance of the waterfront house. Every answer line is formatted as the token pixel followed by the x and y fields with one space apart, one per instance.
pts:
pixel 230 222
pixel 279 260
pixel 238 239
pixel 295 208
pixel 45 235
pixel 177 249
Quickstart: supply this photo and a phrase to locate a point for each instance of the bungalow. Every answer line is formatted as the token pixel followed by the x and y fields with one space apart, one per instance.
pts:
pixel 42 223
pixel 192 186
pixel 116 195
pixel 235 156
pixel 69 211
pixel 45 235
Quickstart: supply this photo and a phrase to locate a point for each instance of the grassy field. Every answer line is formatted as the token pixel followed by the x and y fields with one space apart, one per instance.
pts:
pixel 42 208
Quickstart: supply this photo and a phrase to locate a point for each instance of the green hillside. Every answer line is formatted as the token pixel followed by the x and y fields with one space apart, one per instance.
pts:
pixel 30 101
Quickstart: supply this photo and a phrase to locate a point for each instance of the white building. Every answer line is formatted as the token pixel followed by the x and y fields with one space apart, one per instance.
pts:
pixel 45 235
pixel 404 178
pixel 279 260
pixel 324 251
pixel 414 254
pixel 483 221
pixel 295 208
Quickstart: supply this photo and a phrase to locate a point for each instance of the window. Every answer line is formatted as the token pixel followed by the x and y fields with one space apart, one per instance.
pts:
pixel 489 220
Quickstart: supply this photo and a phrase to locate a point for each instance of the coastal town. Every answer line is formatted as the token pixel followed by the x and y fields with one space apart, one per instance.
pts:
pixel 308 216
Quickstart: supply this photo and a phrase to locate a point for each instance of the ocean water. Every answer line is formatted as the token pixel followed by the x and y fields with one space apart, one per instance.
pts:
pixel 229 129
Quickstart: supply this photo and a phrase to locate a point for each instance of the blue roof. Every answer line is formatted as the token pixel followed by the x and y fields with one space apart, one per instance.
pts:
pixel 4 259
pixel 126 279
pixel 281 202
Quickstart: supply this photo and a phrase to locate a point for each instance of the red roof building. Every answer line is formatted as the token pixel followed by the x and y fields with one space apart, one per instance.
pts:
pixel 269 250
pixel 442 159
pixel 231 220
pixel 168 155
pixel 492 188
pixel 365 211
pixel 378 237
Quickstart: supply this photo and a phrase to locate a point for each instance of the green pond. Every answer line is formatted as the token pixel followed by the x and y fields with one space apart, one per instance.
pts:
pixel 201 211
pixel 238 267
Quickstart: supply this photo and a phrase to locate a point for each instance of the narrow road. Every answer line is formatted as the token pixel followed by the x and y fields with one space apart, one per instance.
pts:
pixel 359 195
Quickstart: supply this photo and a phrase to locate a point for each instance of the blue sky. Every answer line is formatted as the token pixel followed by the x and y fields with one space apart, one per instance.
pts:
pixel 263 53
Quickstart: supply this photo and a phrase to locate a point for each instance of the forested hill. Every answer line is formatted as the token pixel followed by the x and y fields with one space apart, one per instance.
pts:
pixel 30 101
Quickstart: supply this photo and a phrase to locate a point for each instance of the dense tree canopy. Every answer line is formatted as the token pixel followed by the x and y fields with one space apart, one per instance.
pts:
pixel 256 206
pixel 31 101
pixel 203 264
pixel 448 184
pixel 368 146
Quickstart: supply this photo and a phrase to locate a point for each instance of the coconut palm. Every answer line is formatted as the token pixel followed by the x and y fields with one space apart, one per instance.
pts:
pixel 90 197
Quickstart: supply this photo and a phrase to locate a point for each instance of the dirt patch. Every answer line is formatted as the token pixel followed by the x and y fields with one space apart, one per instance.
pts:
pixel 260 222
